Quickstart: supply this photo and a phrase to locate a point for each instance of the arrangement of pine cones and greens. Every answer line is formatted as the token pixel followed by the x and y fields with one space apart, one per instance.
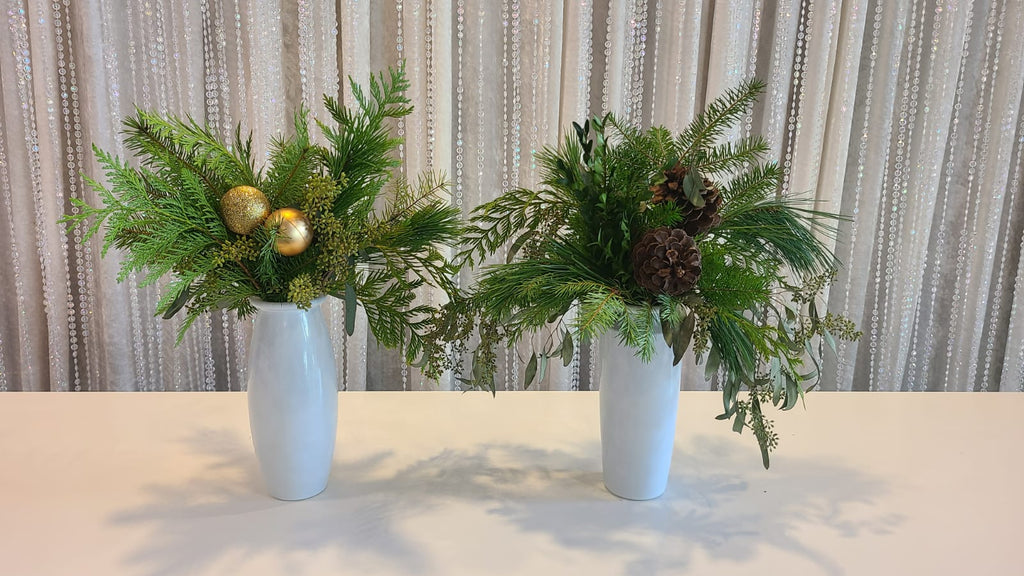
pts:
pixel 656 235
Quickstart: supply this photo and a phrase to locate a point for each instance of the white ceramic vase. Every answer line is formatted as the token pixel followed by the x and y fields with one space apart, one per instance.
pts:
pixel 639 401
pixel 293 398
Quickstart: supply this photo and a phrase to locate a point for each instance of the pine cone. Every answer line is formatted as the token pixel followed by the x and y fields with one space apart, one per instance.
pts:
pixel 671 190
pixel 695 220
pixel 666 261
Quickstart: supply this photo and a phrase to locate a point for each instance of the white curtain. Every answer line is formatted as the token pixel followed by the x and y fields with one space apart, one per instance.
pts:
pixel 907 116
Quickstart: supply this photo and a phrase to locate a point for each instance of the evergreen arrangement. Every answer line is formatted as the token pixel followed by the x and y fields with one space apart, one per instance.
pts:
pixel 303 226
pixel 653 235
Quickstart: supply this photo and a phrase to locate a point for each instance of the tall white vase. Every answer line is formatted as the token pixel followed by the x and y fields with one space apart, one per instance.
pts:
pixel 293 398
pixel 639 401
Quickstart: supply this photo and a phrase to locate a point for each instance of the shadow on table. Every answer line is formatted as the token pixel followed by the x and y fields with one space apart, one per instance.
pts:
pixel 716 502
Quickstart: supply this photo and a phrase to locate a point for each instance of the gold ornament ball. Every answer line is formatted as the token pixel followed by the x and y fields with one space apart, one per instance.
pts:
pixel 294 232
pixel 244 208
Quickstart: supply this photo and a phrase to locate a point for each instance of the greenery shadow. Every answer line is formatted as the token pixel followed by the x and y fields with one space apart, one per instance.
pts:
pixel 716 503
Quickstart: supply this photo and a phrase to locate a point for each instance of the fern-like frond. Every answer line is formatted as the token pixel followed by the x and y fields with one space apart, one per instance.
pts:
pixel 293 161
pixel 511 215
pixel 170 145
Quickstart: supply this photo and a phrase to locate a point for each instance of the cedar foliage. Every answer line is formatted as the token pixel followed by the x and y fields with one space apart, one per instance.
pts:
pixel 164 216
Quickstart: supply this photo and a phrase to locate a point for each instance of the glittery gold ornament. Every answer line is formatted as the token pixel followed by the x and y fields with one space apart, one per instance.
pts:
pixel 244 208
pixel 294 232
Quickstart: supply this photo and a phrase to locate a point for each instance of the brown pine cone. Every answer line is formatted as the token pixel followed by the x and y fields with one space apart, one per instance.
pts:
pixel 666 261
pixel 695 220
pixel 671 190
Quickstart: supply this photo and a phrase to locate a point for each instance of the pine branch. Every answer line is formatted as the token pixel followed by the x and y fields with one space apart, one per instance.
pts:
pixel 719 115
pixel 730 157
pixel 754 185
pixel 294 162
pixel 782 229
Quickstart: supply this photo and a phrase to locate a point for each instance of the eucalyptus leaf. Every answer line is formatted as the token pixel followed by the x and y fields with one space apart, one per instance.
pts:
pixel 790 315
pixel 421 362
pixel 179 302
pixel 802 391
pixel 478 368
pixel 667 331
pixel 223 303
pixel 692 188
pixel 737 423
pixel 793 392
pixel 542 371
pixel 730 408
pixel 764 455
pixel 778 385
pixel 813 357
pixel 812 311
pixel 714 361
pixel 531 371
pixel 518 244
pixel 786 328
pixel 830 341
pixel 681 338
pixel 567 349
pixel 350 309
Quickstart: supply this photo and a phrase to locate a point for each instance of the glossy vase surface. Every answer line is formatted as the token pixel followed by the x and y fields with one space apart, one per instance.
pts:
pixel 293 398
pixel 639 401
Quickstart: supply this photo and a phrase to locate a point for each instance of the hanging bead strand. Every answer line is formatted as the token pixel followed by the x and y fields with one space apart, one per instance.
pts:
pixel 654 59
pixel 939 261
pixel 24 345
pixel 968 232
pixel 77 320
pixel 991 225
pixel 862 148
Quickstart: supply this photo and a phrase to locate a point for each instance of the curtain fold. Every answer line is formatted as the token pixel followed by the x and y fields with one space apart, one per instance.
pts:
pixel 907 116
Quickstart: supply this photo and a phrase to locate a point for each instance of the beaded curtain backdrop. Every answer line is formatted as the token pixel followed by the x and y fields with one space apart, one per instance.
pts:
pixel 906 115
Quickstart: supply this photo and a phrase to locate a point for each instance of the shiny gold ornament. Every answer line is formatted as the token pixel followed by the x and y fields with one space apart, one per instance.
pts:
pixel 244 208
pixel 294 232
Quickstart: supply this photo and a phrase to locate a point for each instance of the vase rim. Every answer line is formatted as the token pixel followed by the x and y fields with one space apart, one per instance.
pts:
pixel 264 305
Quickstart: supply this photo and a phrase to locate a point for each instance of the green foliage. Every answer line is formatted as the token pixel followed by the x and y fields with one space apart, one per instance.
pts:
pixel 293 163
pixel 165 216
pixel 751 318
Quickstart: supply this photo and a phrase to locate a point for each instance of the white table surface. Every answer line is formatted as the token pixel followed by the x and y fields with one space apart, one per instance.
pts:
pixel 445 483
